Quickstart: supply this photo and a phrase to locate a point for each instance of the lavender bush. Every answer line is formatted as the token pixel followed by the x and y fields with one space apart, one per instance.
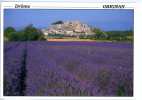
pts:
pixel 70 68
pixel 13 58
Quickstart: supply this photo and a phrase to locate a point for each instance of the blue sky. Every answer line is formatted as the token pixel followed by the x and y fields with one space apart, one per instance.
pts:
pixel 113 19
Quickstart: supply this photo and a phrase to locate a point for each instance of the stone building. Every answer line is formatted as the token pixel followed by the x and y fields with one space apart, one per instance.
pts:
pixel 69 28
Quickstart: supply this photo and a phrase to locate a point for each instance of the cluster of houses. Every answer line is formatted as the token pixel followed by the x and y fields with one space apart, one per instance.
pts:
pixel 69 28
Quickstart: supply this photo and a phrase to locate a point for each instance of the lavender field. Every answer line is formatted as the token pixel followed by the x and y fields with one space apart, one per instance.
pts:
pixel 68 69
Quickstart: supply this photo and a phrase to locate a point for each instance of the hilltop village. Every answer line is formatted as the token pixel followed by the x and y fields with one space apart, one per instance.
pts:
pixel 68 28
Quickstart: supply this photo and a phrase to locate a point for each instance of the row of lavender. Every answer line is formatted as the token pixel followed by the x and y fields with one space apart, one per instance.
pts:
pixel 13 65
pixel 75 69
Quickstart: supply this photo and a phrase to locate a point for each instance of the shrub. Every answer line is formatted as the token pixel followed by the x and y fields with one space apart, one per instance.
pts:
pixel 30 33
pixel 8 31
pixel 103 78
pixel 121 90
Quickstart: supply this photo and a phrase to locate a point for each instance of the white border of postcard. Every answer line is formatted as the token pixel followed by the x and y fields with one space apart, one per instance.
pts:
pixel 79 5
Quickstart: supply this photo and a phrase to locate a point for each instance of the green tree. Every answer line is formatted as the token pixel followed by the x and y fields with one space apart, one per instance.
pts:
pixel 8 31
pixel 120 35
pixel 99 34
pixel 31 33
pixel 58 22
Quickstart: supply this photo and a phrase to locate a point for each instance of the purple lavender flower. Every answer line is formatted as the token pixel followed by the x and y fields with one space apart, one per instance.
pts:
pixel 71 68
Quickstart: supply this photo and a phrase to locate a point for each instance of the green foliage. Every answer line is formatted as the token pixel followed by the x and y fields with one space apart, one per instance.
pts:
pixel 8 31
pixel 16 36
pixel 57 36
pixel 99 34
pixel 30 33
pixel 121 91
pixel 112 35
pixel 120 35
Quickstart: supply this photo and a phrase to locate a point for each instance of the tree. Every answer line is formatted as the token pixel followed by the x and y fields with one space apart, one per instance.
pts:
pixel 120 35
pixel 8 31
pixel 31 33
pixel 99 34
pixel 58 22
